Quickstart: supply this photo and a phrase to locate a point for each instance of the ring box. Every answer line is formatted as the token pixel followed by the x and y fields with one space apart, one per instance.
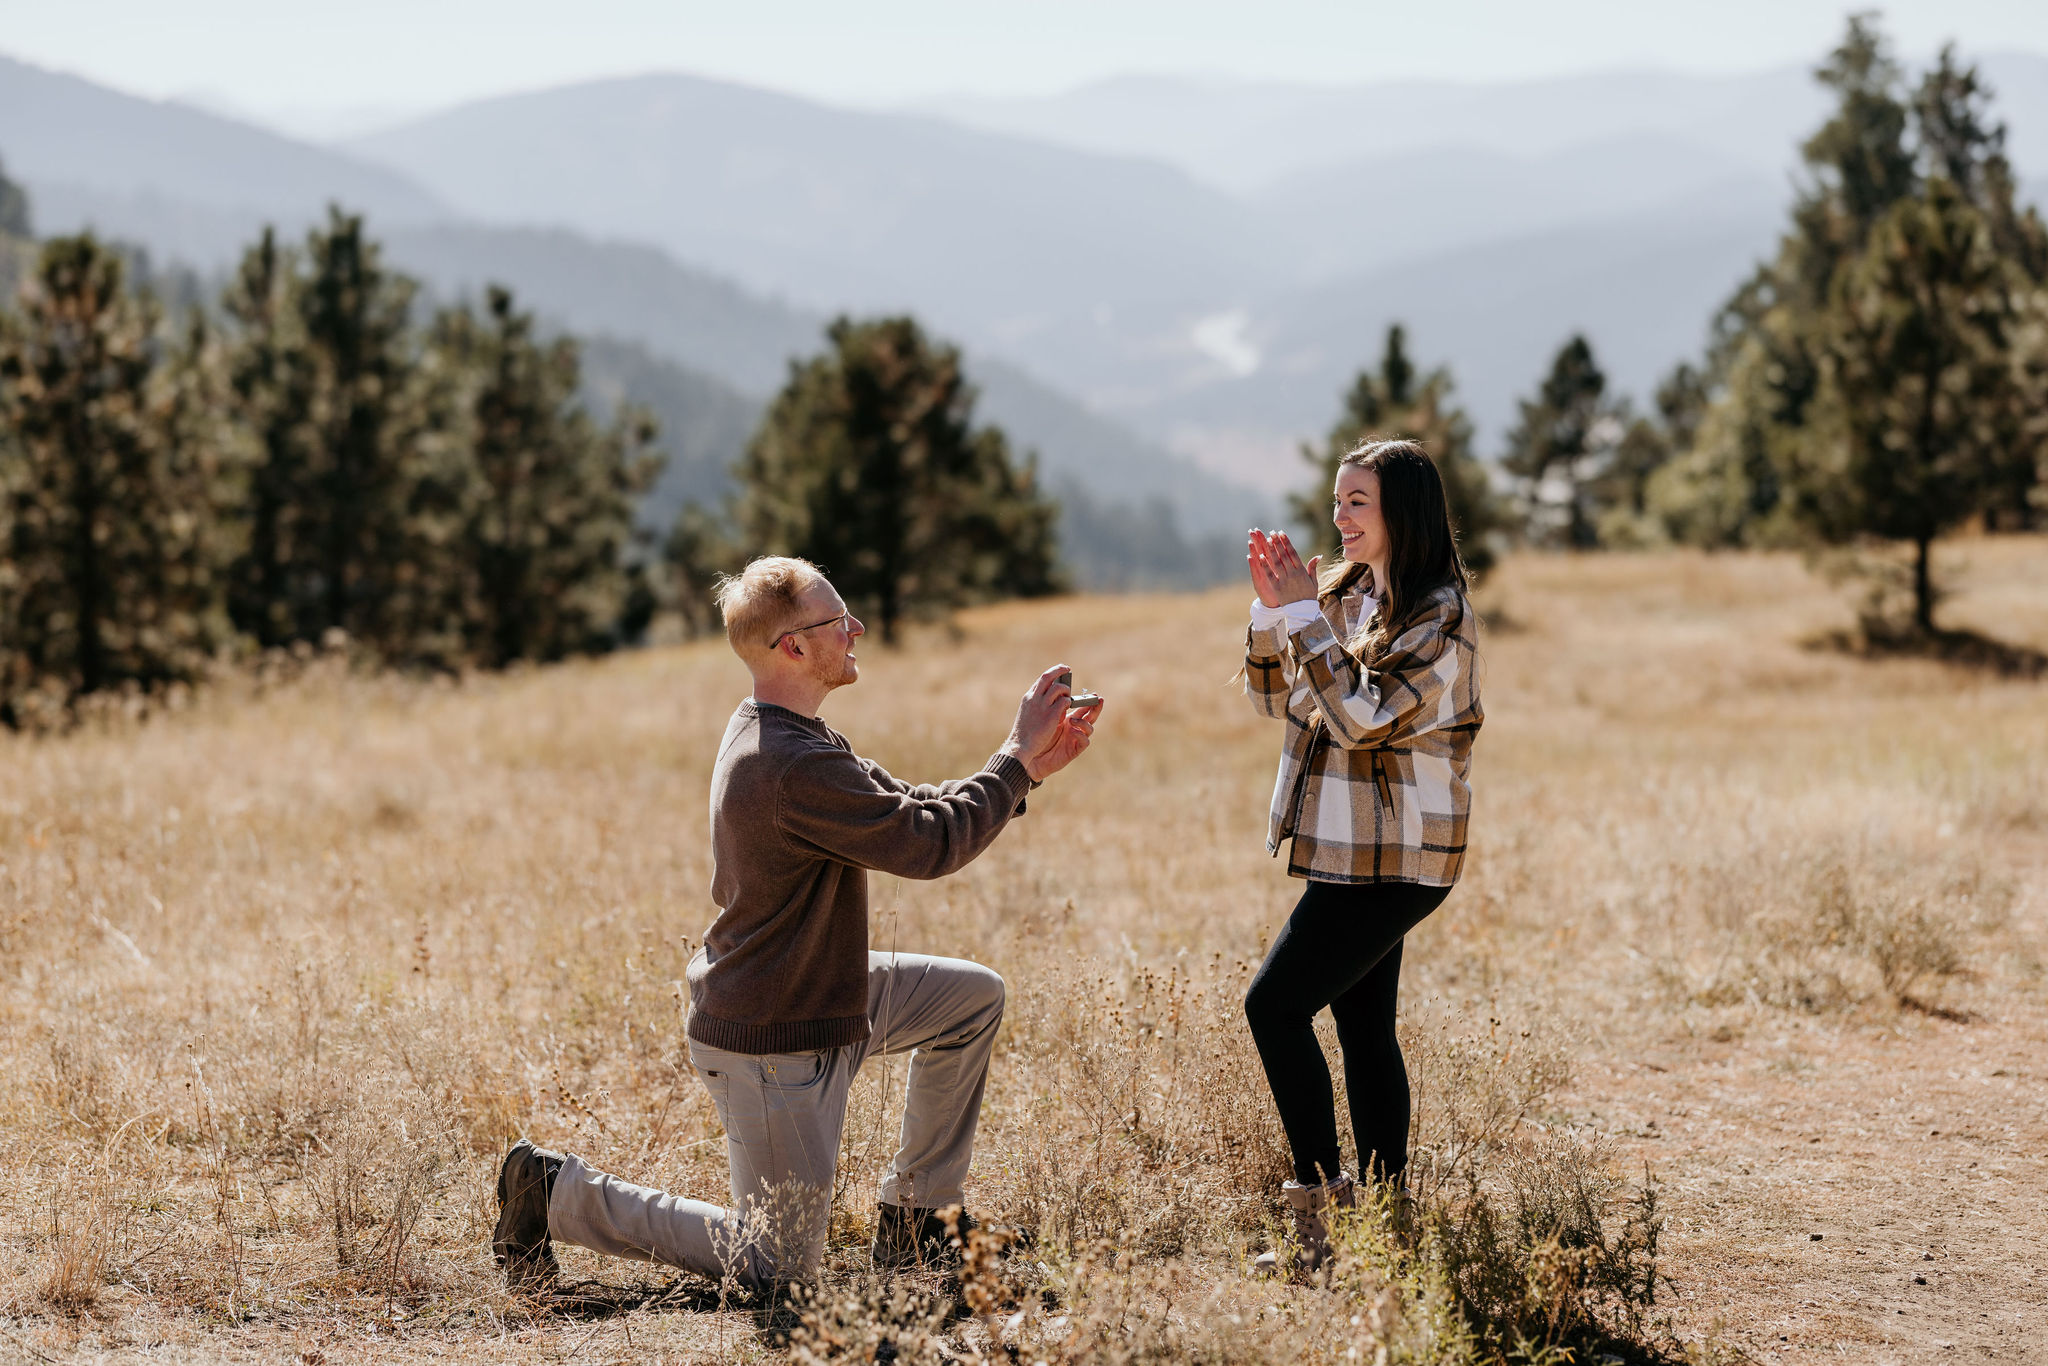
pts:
pixel 1080 699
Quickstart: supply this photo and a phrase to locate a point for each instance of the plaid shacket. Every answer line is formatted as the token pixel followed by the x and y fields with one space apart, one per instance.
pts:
pixel 1373 783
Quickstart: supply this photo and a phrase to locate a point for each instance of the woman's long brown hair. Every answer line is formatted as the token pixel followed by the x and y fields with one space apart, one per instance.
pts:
pixel 1422 549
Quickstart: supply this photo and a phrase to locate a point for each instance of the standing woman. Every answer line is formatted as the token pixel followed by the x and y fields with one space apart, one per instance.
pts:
pixel 1375 671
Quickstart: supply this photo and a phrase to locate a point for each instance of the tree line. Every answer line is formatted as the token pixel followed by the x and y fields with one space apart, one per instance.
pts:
pixel 301 462
pixel 307 459
pixel 313 456
pixel 1882 377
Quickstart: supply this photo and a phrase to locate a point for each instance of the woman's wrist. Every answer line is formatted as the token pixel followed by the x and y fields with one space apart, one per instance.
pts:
pixel 1289 617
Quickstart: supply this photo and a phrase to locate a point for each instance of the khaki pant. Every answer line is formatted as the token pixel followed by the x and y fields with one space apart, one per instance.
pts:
pixel 783 1114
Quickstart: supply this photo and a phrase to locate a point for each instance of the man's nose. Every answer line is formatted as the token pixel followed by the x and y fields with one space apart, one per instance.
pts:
pixel 854 628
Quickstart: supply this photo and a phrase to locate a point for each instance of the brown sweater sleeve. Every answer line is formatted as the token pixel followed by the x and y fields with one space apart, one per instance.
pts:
pixel 835 804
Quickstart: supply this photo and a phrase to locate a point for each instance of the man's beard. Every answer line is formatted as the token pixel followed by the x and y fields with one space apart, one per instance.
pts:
pixel 837 674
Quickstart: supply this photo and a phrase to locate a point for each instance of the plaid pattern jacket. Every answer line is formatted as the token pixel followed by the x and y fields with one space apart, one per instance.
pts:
pixel 1373 783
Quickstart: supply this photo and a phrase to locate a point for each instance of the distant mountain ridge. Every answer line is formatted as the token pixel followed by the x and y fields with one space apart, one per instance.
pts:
pixel 1065 261
pixel 1222 323
pixel 1246 135
pixel 61 133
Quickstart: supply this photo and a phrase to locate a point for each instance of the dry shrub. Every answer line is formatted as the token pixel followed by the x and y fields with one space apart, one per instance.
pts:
pixel 1549 1248
pixel 1845 926
pixel 81 1084
pixel 1149 1121
pixel 1475 1094
pixel 869 1318
pixel 89 1223
pixel 1107 1304
pixel 1525 1224
pixel 372 1179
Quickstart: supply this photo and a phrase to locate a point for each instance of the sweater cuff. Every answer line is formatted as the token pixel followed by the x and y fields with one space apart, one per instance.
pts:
pixel 1011 770
pixel 1288 617
pixel 1314 638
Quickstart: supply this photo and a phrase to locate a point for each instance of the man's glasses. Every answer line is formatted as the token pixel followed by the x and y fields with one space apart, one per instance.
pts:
pixel 845 618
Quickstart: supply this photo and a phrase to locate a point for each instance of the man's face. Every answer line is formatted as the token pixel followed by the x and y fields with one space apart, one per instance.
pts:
pixel 828 646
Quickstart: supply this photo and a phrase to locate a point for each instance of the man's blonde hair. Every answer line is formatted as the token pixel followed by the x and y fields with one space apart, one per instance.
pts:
pixel 763 600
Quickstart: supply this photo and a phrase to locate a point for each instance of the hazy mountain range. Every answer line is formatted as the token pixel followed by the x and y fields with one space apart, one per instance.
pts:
pixel 195 187
pixel 1202 264
pixel 1245 136
pixel 1206 263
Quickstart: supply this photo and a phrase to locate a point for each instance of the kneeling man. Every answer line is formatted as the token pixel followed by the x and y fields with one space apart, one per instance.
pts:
pixel 786 1001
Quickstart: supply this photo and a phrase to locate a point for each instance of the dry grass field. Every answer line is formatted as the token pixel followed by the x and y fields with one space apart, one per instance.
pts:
pixel 1760 925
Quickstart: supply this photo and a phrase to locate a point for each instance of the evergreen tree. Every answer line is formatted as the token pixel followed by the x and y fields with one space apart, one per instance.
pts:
pixel 1918 384
pixel 1393 403
pixel 1771 424
pixel 1763 364
pixel 1563 446
pixel 350 509
pixel 113 473
pixel 1964 145
pixel 271 377
pixel 548 513
pixel 869 464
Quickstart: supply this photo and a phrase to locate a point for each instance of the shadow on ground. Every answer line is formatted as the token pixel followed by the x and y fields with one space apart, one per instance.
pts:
pixel 1970 650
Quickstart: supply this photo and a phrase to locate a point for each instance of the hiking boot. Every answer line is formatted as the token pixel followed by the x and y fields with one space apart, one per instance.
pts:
pixel 520 1242
pixel 920 1239
pixel 1307 1210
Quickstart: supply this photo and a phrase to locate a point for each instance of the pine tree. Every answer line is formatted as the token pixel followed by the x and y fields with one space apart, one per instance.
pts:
pixel 270 371
pixel 360 556
pixel 1918 382
pixel 1763 365
pixel 548 509
pixel 869 464
pixel 350 506
pixel 1563 446
pixel 1393 403
pixel 1962 143
pixel 1767 427
pixel 113 476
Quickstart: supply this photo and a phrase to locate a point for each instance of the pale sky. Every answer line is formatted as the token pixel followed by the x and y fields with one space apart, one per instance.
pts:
pixel 307 63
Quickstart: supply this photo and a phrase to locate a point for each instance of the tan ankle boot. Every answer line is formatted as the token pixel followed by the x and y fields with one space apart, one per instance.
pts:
pixel 1307 1208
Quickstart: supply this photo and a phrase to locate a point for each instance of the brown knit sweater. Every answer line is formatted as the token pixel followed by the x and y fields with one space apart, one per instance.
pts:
pixel 797 819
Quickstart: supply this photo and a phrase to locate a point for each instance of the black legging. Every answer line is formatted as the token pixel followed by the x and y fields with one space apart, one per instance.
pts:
pixel 1342 949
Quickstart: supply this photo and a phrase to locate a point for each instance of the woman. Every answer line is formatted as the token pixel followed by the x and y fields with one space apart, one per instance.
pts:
pixel 1375 670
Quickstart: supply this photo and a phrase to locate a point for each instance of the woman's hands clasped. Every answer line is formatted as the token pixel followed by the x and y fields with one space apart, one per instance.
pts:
pixel 1278 574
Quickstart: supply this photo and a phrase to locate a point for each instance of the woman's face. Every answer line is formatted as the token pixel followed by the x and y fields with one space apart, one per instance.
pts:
pixel 1357 515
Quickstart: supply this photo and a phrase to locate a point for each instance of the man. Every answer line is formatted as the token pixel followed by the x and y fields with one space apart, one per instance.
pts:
pixel 785 999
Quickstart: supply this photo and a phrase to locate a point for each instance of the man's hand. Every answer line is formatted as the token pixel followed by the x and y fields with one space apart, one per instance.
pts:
pixel 1046 737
